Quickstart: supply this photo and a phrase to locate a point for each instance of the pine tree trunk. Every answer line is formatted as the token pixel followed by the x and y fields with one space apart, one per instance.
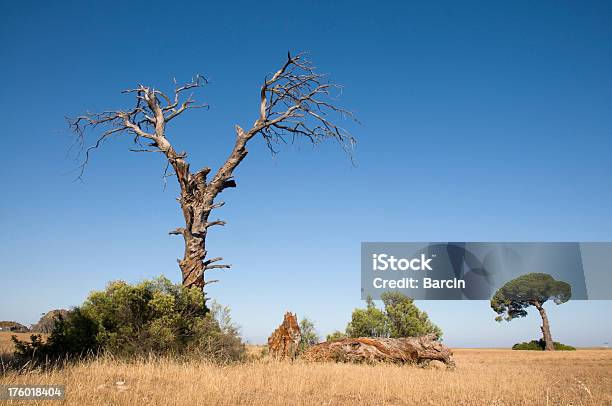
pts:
pixel 197 201
pixel 196 207
pixel 192 264
pixel 545 328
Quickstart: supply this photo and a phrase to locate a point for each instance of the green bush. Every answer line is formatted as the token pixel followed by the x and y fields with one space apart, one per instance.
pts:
pixel 368 322
pixel 152 317
pixel 405 319
pixel 540 345
pixel 309 334
pixel 400 318
pixel 73 336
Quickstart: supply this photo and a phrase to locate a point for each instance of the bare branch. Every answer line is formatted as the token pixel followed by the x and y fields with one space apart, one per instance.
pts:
pixel 214 223
pixel 152 111
pixel 177 231
pixel 223 266
pixel 210 261
pixel 296 102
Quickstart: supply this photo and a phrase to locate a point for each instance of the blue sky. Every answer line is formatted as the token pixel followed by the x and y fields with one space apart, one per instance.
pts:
pixel 481 122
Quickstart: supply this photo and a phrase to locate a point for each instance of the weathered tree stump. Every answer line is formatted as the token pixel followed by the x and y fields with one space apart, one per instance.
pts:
pixel 416 350
pixel 285 340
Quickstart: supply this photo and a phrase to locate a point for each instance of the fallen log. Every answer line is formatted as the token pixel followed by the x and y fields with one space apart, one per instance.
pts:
pixel 414 350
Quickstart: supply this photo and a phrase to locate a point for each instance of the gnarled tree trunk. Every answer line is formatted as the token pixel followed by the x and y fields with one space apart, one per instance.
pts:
pixel 545 327
pixel 196 205
pixel 394 350
pixel 197 202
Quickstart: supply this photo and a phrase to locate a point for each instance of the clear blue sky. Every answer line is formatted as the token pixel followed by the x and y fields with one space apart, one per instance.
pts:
pixel 481 122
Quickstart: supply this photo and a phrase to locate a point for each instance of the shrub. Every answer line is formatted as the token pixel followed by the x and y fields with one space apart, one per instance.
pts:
pixel 152 317
pixel 400 318
pixel 540 345
pixel 309 334
pixel 405 319
pixel 368 322
pixel 221 341
pixel 73 336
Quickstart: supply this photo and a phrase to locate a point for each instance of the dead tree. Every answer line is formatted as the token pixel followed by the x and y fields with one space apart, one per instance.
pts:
pixel 418 350
pixel 295 102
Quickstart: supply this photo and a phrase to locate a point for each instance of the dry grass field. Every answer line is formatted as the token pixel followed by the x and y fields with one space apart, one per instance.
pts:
pixel 6 345
pixel 489 377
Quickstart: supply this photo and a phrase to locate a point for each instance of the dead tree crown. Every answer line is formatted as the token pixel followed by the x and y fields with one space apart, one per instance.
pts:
pixel 296 101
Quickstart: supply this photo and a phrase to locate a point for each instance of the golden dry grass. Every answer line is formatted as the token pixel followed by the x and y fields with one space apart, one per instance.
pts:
pixel 491 377
pixel 6 344
pixel 254 352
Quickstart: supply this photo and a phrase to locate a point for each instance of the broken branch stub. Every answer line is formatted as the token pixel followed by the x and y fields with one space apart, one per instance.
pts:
pixel 285 340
